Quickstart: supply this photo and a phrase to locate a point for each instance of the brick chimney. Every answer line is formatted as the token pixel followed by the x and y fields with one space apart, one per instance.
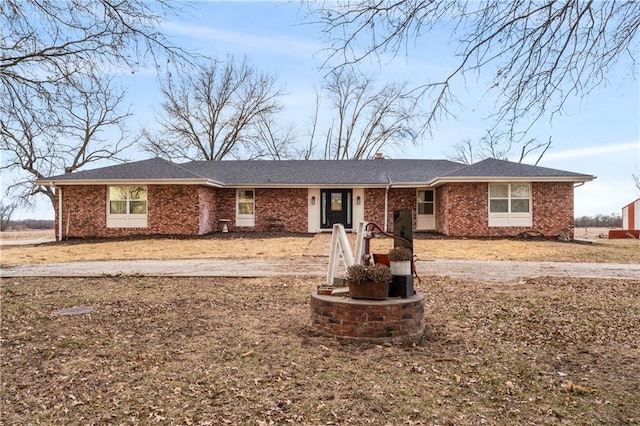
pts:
pixel 379 156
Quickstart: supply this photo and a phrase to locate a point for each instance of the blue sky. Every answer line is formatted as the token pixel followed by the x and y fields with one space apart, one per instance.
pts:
pixel 598 135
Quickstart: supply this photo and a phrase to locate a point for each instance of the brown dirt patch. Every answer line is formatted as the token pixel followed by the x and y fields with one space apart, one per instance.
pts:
pixel 242 246
pixel 232 351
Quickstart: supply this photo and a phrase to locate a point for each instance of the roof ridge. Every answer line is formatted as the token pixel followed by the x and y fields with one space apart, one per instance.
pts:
pixel 182 167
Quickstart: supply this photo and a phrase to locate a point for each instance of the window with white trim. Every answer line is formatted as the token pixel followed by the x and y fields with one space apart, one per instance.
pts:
pixel 245 208
pixel 426 202
pixel 425 209
pixel 127 207
pixel 510 204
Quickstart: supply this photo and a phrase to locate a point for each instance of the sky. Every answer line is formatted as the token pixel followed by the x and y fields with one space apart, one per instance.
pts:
pixel 597 135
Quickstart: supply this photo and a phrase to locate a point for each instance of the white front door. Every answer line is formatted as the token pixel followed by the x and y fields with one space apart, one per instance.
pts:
pixel 245 208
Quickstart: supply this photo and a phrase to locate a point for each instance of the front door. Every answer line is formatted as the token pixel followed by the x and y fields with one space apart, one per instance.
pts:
pixel 336 207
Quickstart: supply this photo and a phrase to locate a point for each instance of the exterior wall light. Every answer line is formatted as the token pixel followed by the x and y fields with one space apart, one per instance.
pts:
pixel 358 200
pixel 313 200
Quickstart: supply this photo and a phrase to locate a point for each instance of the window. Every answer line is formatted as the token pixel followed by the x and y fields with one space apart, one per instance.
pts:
pixel 426 210
pixel 245 215
pixel 510 204
pixel 127 207
pixel 425 202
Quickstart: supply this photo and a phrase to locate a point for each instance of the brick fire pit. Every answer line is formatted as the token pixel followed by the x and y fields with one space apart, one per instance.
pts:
pixel 373 320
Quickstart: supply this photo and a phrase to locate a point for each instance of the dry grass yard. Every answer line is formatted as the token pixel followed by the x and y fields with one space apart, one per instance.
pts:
pixel 280 246
pixel 213 351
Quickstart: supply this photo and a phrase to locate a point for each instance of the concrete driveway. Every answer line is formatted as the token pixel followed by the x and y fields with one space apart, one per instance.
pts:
pixel 499 271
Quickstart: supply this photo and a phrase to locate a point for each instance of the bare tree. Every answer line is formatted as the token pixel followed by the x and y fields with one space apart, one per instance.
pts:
pixel 55 98
pixel 365 120
pixel 214 113
pixel 83 124
pixel 497 145
pixel 6 211
pixel 464 151
pixel 272 141
pixel 46 45
pixel 538 53
pixel 636 179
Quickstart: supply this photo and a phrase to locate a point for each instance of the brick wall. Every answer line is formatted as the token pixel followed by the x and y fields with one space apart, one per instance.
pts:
pixel 553 208
pixel 442 209
pixel 207 203
pixel 84 211
pixel 172 209
pixel 276 209
pixel 226 203
pixel 374 206
pixel 462 210
pixel 368 320
pixel 399 199
pixel 281 209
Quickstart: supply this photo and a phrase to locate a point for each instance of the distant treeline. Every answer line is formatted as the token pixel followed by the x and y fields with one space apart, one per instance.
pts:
pixel 598 221
pixel 30 224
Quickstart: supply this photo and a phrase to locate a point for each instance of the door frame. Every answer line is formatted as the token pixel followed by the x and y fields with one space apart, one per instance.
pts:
pixel 325 207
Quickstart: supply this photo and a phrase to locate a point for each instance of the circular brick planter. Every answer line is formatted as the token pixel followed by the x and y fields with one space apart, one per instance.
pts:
pixel 373 320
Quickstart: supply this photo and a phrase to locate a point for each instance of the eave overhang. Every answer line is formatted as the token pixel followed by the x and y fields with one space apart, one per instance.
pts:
pixel 305 185
pixel 78 182
pixel 490 179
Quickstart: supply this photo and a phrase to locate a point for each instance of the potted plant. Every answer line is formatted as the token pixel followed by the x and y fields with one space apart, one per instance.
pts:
pixel 400 260
pixel 369 282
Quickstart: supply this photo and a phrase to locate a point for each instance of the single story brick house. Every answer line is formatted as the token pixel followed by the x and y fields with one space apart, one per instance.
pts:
pixel 154 197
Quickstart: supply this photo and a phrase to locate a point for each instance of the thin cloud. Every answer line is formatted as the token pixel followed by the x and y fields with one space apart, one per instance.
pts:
pixel 593 150
pixel 285 46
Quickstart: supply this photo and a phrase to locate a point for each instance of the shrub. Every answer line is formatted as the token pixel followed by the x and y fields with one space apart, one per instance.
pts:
pixel 399 254
pixel 357 273
pixel 377 273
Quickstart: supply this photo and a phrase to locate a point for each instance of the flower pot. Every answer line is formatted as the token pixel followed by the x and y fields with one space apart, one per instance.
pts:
pixel 368 290
pixel 382 259
pixel 400 267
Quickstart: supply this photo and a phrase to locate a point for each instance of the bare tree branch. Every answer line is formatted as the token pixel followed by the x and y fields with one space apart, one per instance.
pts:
pixel 497 145
pixel 464 152
pixel 365 119
pixel 539 53
pixel 57 106
pixel 83 125
pixel 215 113
pixel 6 211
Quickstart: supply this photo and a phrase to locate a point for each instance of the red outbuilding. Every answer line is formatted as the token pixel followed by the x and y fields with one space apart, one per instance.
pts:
pixel 630 222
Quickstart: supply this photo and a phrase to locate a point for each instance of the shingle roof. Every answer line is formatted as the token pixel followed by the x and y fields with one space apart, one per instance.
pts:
pixel 153 168
pixel 492 167
pixel 322 172
pixel 313 172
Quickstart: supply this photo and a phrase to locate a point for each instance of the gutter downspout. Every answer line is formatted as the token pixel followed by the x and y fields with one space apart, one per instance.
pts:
pixel 59 189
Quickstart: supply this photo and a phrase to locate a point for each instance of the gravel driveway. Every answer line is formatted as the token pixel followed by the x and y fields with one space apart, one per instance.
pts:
pixel 499 271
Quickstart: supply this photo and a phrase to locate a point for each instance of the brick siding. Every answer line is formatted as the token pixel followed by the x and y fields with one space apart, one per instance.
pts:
pixel 281 209
pixel 368 320
pixel 461 210
pixel 84 212
pixel 399 199
pixel 181 210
